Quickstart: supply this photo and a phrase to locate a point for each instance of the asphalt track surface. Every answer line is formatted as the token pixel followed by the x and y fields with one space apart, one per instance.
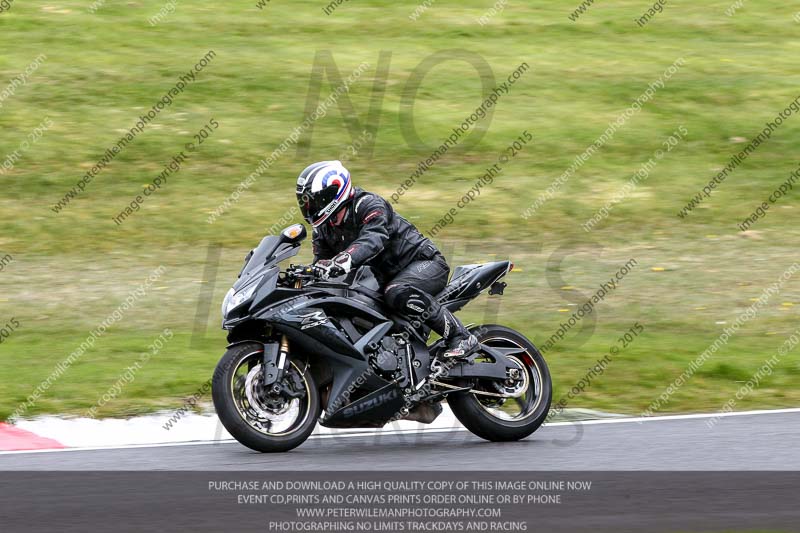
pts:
pixel 659 475
pixel 764 441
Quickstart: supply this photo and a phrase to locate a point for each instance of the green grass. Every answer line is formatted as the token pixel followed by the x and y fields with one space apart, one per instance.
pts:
pixel 105 69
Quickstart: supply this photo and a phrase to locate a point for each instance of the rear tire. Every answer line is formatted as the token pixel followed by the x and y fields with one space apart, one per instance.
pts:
pixel 477 418
pixel 231 416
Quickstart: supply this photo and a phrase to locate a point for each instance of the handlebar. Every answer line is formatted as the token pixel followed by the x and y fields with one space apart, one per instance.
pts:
pixel 303 272
pixel 306 273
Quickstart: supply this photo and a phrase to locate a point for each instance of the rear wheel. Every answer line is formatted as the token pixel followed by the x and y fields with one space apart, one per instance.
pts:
pixel 274 419
pixel 513 409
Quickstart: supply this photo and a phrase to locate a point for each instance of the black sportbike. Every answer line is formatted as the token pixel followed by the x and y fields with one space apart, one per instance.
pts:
pixel 304 350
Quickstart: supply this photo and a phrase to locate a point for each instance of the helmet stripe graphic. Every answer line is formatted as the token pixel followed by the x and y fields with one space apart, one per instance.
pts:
pixel 321 176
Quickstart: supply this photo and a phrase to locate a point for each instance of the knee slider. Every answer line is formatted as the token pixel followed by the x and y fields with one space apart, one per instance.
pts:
pixel 407 299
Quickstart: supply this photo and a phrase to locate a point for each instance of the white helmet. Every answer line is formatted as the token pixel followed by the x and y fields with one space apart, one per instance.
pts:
pixel 322 188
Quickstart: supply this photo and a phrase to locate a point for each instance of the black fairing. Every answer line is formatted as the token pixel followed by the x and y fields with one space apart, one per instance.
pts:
pixel 261 269
pixel 339 327
pixel 469 281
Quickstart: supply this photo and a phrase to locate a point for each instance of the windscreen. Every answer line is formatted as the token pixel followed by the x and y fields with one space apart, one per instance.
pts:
pixel 269 251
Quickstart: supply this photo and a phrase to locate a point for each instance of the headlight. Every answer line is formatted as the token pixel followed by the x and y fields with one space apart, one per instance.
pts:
pixel 225 303
pixel 235 299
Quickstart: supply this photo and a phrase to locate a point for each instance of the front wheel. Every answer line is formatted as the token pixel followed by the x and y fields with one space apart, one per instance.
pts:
pixel 266 420
pixel 513 409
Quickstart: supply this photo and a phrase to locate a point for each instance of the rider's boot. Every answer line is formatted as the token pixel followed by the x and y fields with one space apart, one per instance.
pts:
pixel 458 341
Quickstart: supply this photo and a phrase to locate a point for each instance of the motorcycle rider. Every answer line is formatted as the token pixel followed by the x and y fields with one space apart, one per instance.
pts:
pixel 353 227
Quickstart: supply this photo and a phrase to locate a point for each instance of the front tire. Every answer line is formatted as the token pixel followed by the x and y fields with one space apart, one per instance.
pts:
pixel 493 419
pixel 261 421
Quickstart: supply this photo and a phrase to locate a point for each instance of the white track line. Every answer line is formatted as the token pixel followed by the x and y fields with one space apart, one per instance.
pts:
pixel 623 420
pixel 231 441
pixel 626 420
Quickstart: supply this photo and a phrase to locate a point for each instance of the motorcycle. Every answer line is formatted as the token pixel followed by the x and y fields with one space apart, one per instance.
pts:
pixel 304 350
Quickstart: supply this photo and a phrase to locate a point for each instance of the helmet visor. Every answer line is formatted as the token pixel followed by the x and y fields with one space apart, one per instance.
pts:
pixel 313 203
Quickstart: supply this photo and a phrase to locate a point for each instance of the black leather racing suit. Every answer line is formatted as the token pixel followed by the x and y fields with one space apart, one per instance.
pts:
pixel 409 266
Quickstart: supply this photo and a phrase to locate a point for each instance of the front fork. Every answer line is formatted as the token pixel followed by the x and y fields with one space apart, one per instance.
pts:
pixel 276 356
